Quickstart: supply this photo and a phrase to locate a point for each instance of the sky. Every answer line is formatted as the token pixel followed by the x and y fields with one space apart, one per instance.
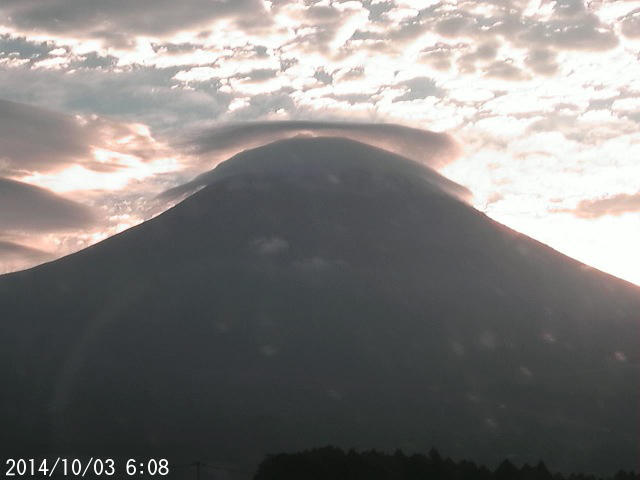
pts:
pixel 103 106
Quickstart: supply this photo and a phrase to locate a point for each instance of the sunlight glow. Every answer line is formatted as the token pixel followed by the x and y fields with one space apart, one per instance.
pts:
pixel 125 168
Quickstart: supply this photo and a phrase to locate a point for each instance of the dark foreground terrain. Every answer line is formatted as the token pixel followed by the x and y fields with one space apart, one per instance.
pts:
pixel 330 463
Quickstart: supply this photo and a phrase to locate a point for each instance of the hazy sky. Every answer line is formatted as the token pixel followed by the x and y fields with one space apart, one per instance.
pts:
pixel 543 98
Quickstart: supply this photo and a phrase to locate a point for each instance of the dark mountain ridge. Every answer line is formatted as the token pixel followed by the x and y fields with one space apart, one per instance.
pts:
pixel 352 299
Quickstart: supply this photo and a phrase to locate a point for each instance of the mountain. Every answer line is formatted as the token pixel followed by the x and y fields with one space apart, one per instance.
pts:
pixel 321 291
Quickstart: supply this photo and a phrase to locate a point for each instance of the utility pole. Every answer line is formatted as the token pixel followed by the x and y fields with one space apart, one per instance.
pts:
pixel 198 464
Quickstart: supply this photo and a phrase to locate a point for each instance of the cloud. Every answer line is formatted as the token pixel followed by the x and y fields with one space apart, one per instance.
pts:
pixel 593 126
pixel 33 138
pixel 38 140
pixel 584 33
pixel 14 251
pixel 418 89
pixel 22 48
pixel 504 70
pixel 485 51
pixel 542 61
pixel 569 8
pixel 227 74
pixel 631 24
pixel 115 20
pixel 132 95
pixel 312 155
pixel 613 205
pixel 24 207
pixel 571 26
pixel 438 56
pixel 378 9
pixel 429 148
pixel 14 256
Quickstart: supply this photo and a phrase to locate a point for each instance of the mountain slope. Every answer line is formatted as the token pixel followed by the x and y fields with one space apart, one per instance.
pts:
pixel 321 291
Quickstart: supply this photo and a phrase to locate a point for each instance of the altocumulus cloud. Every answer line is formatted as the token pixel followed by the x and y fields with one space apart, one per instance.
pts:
pixel 115 19
pixel 613 205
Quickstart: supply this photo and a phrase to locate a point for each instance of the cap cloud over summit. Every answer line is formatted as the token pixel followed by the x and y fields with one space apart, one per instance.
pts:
pixel 307 155
pixel 423 146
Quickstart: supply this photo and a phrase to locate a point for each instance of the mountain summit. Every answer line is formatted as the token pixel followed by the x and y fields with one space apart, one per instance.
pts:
pixel 322 158
pixel 321 291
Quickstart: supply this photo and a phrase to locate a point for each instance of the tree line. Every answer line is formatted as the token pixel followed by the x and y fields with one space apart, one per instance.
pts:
pixel 331 463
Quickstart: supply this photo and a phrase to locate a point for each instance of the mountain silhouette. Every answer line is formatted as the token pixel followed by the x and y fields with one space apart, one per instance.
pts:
pixel 321 291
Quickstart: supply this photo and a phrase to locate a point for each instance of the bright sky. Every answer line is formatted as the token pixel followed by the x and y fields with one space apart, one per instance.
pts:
pixel 542 96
